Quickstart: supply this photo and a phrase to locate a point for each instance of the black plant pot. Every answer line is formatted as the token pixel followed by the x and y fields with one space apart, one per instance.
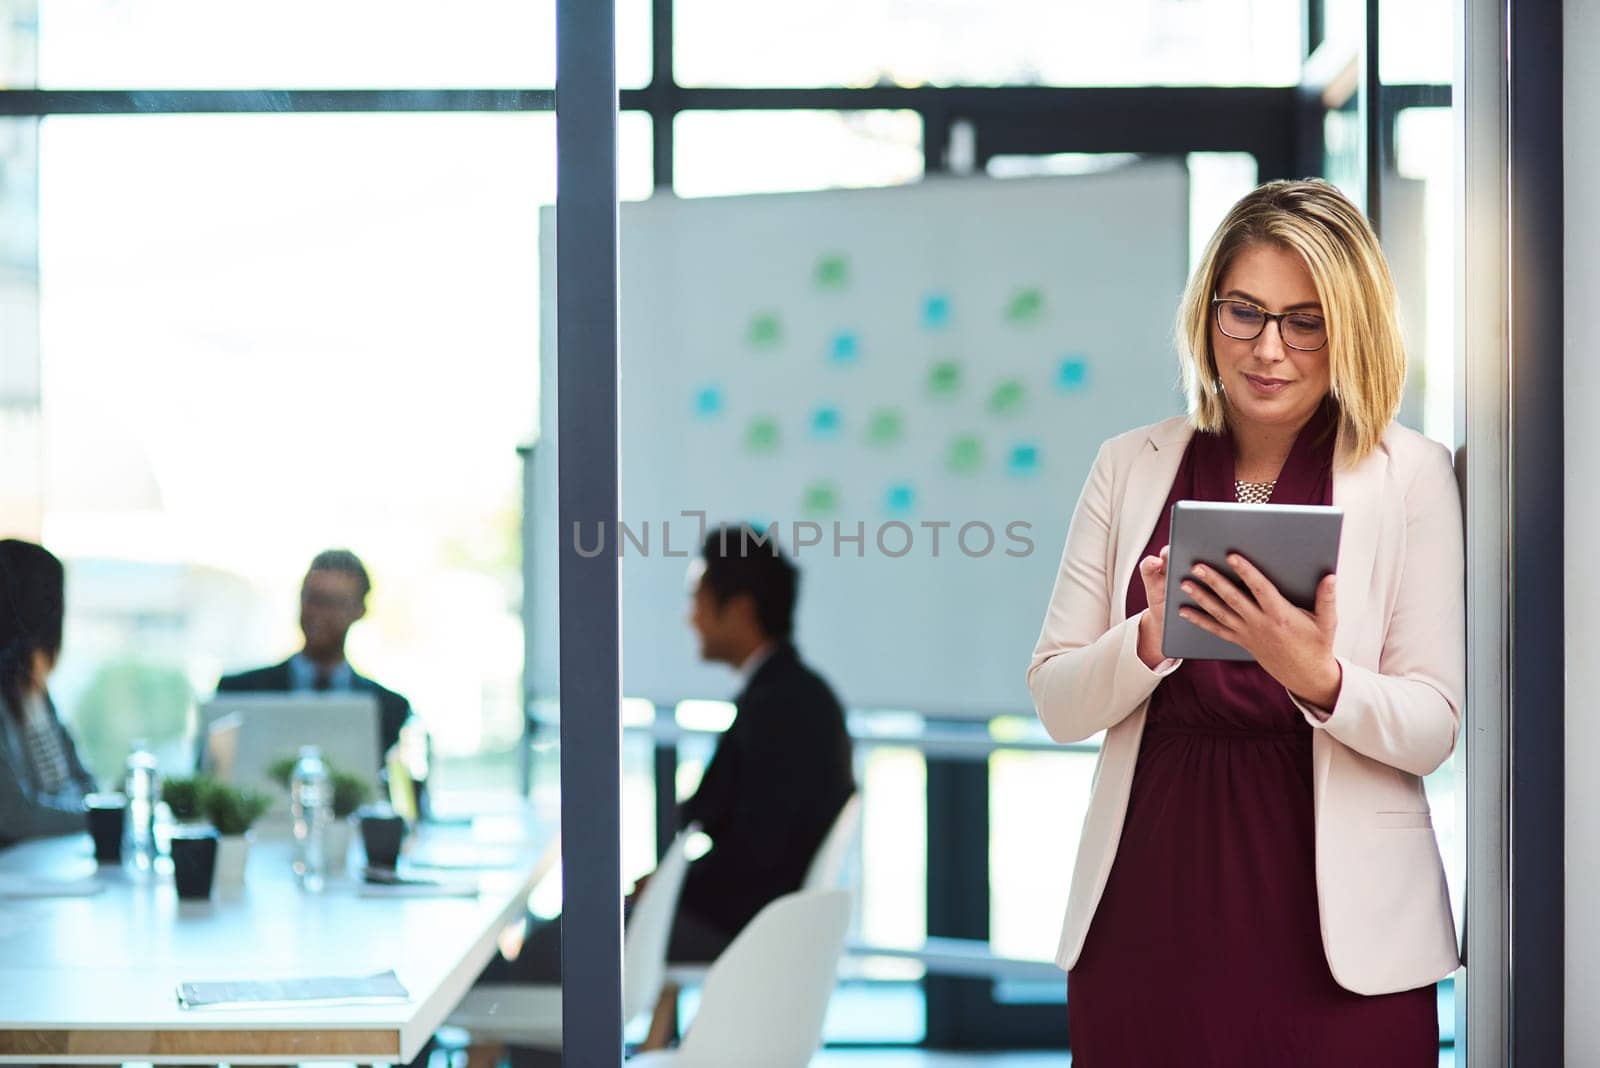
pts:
pixel 194 862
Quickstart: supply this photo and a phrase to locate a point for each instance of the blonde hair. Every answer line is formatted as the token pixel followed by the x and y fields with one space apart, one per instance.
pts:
pixel 1366 354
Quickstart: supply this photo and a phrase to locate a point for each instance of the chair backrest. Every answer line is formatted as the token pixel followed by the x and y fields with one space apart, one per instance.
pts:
pixel 764 999
pixel 644 946
pixel 827 866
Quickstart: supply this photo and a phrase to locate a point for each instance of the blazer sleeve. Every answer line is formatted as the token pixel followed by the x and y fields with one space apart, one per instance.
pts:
pixel 1086 674
pixel 1408 712
pixel 711 804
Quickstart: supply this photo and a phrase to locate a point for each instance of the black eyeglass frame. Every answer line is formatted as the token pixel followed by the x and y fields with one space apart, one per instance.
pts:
pixel 1266 317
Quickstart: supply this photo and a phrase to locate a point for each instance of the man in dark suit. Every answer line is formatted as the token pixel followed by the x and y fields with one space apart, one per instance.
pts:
pixel 780 774
pixel 332 597
pixel 782 769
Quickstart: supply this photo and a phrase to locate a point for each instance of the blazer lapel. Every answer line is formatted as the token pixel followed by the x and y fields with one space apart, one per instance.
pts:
pixel 1359 491
pixel 1149 482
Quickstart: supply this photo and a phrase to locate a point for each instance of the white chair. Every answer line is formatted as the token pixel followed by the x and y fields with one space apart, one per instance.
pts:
pixel 525 1014
pixel 765 998
pixel 825 872
pixel 827 867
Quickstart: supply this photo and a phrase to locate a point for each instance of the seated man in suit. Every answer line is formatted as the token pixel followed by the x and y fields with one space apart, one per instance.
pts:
pixel 332 597
pixel 781 771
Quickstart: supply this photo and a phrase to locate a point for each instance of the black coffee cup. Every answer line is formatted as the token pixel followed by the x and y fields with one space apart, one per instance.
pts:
pixel 108 821
pixel 194 862
pixel 382 833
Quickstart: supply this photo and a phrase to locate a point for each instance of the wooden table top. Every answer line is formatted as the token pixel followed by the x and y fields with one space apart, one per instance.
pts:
pixel 93 978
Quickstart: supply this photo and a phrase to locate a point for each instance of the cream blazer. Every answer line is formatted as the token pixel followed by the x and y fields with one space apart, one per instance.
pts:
pixel 1385 911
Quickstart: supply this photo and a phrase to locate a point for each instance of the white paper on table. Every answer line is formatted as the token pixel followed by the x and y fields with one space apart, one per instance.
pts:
pixel 383 988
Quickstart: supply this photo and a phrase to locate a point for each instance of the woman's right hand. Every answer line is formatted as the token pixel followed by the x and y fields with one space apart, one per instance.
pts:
pixel 1153 570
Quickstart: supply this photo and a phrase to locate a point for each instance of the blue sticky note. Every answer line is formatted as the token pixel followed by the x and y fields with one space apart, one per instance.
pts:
pixel 899 500
pixel 708 402
pixel 1024 459
pixel 845 348
pixel 825 422
pixel 1073 373
pixel 936 311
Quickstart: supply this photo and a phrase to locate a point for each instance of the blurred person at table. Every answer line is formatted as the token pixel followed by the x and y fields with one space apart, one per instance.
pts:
pixel 333 597
pixel 781 771
pixel 42 781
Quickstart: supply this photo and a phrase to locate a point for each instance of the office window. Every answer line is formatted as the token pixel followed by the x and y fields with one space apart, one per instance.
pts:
pixel 268 336
pixel 724 153
pixel 987 42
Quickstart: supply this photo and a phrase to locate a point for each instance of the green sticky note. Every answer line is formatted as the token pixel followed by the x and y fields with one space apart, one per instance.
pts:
pixel 885 427
pixel 833 272
pixel 1026 306
pixel 944 378
pixel 761 435
pixel 1007 397
pixel 965 455
pixel 821 498
pixel 765 331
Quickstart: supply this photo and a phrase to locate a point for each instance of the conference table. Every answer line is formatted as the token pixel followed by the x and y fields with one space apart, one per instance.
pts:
pixel 89 971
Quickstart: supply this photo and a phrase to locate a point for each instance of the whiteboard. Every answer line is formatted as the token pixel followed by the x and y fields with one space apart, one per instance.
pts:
pixel 872 362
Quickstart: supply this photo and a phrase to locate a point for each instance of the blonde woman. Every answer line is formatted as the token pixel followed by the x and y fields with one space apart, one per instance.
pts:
pixel 1257 880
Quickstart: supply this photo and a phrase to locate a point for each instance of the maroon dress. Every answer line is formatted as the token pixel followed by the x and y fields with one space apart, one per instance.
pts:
pixel 1206 949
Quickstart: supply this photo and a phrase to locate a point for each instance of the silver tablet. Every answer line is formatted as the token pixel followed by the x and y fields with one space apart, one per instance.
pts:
pixel 1295 546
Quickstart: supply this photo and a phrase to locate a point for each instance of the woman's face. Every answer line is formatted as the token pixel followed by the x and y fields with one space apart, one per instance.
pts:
pixel 1266 383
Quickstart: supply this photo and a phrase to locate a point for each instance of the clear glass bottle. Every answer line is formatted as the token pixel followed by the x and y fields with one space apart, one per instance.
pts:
pixel 311 808
pixel 142 785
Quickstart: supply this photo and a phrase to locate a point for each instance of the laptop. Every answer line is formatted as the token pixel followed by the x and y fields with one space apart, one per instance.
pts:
pixel 244 734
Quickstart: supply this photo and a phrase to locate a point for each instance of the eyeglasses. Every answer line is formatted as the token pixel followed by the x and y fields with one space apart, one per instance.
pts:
pixel 1243 321
pixel 328 602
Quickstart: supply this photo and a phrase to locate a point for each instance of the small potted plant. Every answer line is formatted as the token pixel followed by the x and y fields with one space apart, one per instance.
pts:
pixel 232 810
pixel 183 798
pixel 350 792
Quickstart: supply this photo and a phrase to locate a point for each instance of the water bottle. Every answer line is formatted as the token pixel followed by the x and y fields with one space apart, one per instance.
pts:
pixel 143 787
pixel 311 807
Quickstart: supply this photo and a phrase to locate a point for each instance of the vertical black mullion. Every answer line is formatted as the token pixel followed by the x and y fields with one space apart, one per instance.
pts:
pixel 1314 12
pixel 1535 190
pixel 666 782
pixel 958 891
pixel 1370 101
pixel 935 141
pixel 587 485
pixel 663 91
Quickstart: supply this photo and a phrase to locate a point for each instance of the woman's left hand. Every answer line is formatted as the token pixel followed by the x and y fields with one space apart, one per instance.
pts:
pixel 1292 645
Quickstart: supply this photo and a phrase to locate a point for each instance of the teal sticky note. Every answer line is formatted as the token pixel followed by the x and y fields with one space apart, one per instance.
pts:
pixel 708 402
pixel 845 347
pixel 1024 459
pixel 825 422
pixel 899 499
pixel 935 311
pixel 1073 373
